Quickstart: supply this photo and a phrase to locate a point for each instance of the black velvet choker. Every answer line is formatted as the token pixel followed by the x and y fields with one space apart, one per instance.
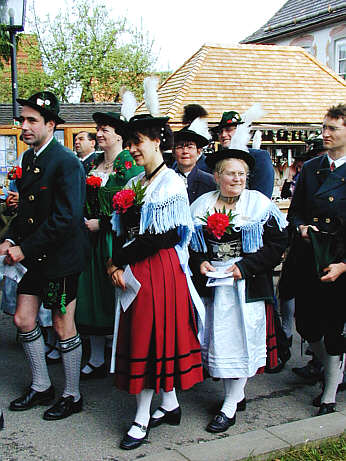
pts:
pixel 149 176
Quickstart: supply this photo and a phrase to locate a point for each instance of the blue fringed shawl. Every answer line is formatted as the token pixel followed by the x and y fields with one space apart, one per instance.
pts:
pixel 166 206
pixel 253 210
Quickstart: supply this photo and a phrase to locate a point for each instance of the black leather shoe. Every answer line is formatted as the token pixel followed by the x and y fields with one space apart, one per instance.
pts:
pixel 220 423
pixel 96 373
pixel 241 406
pixel 130 443
pixel 276 369
pixel 172 417
pixel 32 398
pixel 326 408
pixel 1 420
pixel 63 408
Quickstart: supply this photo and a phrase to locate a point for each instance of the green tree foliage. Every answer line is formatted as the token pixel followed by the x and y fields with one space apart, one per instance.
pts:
pixel 83 47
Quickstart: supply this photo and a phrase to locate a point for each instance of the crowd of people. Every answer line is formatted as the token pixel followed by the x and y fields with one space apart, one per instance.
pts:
pixel 169 260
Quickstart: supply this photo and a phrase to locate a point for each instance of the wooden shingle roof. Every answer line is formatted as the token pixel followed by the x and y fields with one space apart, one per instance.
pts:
pixel 292 86
pixel 71 113
pixel 298 15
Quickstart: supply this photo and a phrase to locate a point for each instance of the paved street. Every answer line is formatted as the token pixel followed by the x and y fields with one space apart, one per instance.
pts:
pixel 94 434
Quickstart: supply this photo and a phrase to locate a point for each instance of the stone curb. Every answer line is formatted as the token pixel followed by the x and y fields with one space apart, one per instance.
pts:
pixel 260 443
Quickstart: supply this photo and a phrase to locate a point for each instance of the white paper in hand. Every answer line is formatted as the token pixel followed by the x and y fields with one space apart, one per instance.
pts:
pixel 15 272
pixel 132 288
pixel 217 279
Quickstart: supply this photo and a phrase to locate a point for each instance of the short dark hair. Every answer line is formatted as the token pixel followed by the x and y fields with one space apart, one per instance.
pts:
pixel 338 111
pixel 164 134
pixel 91 136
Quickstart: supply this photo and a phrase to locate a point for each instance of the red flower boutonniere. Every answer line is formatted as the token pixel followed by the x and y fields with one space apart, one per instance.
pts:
pixel 15 173
pixel 128 165
pixel 219 223
pixel 94 181
pixel 126 198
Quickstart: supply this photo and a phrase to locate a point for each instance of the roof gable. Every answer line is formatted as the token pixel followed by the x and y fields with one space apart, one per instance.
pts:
pixel 291 85
pixel 295 15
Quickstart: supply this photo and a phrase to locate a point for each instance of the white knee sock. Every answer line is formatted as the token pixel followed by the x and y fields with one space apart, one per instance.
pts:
pixel 169 402
pixel 71 350
pixel 234 393
pixel 97 352
pixel 332 366
pixel 143 412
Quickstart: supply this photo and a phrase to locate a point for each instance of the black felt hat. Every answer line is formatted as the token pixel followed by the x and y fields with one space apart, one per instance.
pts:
pixel 113 119
pixel 46 103
pixel 223 154
pixel 141 121
pixel 189 135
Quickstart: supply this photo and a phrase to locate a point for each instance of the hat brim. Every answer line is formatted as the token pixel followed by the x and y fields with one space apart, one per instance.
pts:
pixel 41 110
pixel 119 125
pixel 223 154
pixel 189 135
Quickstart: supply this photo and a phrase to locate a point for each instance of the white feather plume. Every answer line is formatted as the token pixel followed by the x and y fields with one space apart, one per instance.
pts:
pixel 129 105
pixel 257 140
pixel 241 136
pixel 200 126
pixel 150 96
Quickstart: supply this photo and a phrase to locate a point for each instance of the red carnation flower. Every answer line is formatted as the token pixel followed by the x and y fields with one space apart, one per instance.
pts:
pixel 15 173
pixel 217 224
pixel 128 165
pixel 123 200
pixel 94 181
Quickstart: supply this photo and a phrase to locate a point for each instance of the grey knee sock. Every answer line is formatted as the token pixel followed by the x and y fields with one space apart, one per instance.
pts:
pixel 34 349
pixel 71 352
pixel 332 366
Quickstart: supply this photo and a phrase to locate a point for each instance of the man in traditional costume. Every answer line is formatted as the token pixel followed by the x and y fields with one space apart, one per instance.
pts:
pixel 49 237
pixel 318 212
pixel 262 177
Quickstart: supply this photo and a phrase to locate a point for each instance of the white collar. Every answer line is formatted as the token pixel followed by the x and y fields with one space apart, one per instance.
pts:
pixel 41 149
pixel 86 157
pixel 338 162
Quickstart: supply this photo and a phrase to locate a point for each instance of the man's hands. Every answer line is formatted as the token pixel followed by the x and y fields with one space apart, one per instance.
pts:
pixel 304 231
pixel 333 271
pixel 12 199
pixel 93 225
pixel 14 255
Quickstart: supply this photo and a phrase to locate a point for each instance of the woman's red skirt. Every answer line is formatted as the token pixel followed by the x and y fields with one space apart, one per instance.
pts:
pixel 157 346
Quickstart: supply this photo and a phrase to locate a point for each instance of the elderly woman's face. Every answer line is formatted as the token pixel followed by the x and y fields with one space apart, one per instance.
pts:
pixel 232 178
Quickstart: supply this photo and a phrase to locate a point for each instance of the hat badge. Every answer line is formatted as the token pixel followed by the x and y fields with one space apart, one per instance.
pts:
pixel 40 102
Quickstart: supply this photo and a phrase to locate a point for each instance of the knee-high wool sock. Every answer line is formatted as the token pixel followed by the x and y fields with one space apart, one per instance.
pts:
pixel 71 352
pixel 33 346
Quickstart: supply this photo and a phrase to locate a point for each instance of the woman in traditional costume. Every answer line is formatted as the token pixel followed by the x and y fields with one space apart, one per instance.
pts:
pixel 155 340
pixel 95 299
pixel 239 234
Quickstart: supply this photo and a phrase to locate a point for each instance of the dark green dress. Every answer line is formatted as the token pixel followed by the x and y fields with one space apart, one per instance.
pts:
pixel 95 297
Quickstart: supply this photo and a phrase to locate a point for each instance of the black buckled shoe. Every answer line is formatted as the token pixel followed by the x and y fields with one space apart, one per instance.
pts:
pixel 172 417
pixel 63 408
pixel 326 408
pixel 130 443
pixel 96 373
pixel 32 398
pixel 309 372
pixel 220 423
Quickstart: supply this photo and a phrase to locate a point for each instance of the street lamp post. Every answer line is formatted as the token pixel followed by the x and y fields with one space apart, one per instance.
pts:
pixel 12 16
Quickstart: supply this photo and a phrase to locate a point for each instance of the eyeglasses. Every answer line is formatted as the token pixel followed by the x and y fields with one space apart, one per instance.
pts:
pixel 187 145
pixel 331 128
pixel 235 174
